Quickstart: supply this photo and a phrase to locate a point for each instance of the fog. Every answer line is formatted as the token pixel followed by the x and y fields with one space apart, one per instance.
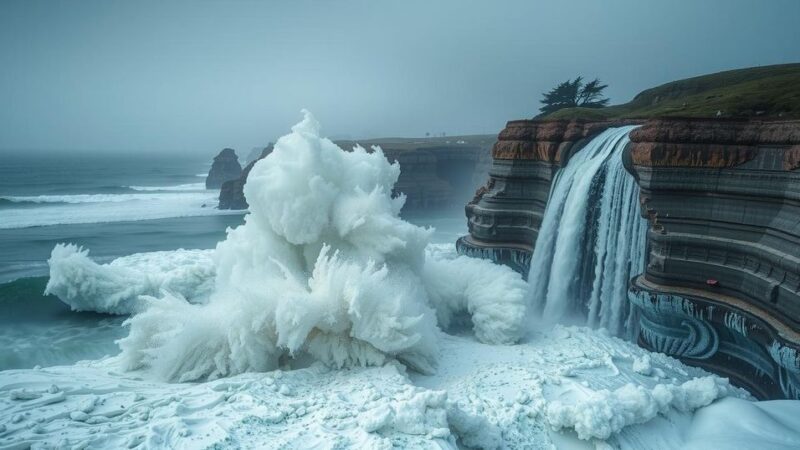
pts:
pixel 181 77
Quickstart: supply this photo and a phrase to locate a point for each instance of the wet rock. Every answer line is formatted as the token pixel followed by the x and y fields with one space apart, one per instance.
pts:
pixel 225 167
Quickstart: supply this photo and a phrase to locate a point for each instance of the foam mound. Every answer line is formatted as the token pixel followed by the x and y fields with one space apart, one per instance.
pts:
pixel 323 266
pixel 117 287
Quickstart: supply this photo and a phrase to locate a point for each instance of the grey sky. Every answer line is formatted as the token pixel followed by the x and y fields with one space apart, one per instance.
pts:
pixel 199 76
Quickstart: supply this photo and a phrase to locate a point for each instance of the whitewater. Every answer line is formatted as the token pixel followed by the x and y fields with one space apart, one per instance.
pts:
pixel 142 203
pixel 591 241
pixel 327 321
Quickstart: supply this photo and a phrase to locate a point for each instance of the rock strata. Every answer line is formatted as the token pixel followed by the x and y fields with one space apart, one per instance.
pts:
pixel 721 288
pixel 505 214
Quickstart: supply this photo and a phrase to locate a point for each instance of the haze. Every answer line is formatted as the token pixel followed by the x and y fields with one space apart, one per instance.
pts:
pixel 129 76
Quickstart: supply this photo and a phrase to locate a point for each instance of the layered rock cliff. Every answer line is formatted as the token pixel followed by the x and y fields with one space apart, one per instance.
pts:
pixel 225 167
pixel 723 201
pixel 440 177
pixel 505 214
pixel 721 288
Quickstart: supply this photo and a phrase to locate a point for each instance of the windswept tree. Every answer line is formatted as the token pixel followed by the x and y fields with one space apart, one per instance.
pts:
pixel 572 93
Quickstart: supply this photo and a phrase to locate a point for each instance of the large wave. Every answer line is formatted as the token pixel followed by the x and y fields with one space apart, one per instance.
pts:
pixel 323 266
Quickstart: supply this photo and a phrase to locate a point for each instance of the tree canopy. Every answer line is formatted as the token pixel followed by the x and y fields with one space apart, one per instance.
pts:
pixel 572 93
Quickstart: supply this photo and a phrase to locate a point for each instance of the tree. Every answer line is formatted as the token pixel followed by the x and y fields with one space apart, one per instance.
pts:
pixel 572 93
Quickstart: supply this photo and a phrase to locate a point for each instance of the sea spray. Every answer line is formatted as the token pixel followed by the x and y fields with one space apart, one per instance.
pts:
pixel 323 266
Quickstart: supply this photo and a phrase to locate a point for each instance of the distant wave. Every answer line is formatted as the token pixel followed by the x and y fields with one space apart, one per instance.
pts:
pixel 144 193
pixel 42 210
pixel 87 198
pixel 176 188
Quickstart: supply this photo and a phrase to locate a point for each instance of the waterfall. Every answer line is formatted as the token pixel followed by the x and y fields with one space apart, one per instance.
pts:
pixel 592 238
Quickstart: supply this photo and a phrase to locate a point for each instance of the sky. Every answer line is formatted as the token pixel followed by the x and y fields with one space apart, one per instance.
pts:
pixel 189 77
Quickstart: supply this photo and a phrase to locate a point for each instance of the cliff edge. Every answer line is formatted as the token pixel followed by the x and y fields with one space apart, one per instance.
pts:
pixel 436 173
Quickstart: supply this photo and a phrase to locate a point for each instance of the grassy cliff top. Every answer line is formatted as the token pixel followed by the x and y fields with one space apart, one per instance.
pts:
pixel 394 143
pixel 768 91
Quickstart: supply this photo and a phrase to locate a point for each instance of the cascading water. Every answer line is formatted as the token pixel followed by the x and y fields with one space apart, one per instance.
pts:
pixel 592 238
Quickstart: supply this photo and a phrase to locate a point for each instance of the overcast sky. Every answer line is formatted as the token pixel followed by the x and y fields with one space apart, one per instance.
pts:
pixel 122 76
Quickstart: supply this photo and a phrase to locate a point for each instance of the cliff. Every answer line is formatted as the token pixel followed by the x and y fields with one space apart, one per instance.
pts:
pixel 723 201
pixel 436 173
pixel 225 167
pixel 721 288
pixel 505 214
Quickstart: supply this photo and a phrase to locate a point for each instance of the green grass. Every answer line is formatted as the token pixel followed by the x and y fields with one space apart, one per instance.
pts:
pixel 769 92
pixel 394 143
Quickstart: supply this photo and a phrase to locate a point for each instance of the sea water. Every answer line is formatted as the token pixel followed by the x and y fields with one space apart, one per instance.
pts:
pixel 106 204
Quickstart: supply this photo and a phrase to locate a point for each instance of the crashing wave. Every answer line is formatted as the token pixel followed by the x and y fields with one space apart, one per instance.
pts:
pixel 117 287
pixel 323 266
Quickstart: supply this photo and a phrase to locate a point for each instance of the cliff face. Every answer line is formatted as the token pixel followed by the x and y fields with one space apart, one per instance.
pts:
pixel 435 174
pixel 723 202
pixel 505 214
pixel 721 288
pixel 440 177
pixel 225 167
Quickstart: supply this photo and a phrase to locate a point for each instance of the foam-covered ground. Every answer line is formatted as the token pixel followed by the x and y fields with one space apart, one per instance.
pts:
pixel 568 388
pixel 323 322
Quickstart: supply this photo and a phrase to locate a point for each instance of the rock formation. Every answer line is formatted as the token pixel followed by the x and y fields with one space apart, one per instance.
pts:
pixel 231 194
pixel 723 201
pixel 439 177
pixel 435 174
pixel 721 288
pixel 225 167
pixel 505 214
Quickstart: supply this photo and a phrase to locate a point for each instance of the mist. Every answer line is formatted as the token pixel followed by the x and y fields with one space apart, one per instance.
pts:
pixel 194 77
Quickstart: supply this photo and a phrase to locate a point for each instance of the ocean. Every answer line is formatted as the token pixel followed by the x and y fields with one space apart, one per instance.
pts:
pixel 113 206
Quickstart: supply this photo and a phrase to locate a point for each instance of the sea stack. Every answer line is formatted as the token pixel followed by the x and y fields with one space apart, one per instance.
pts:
pixel 226 167
pixel 231 194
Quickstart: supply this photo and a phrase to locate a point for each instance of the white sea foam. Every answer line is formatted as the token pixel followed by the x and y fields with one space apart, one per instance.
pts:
pixel 174 188
pixel 117 287
pixel 569 388
pixel 44 210
pixel 323 266
pixel 94 198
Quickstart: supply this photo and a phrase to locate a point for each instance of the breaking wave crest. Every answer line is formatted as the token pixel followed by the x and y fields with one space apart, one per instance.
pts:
pixel 323 266
pixel 175 188
pixel 43 210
